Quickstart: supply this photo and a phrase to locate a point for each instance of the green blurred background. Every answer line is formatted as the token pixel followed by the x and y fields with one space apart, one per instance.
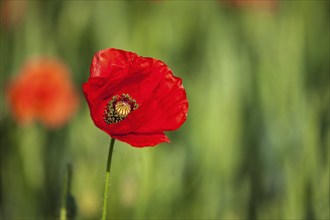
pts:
pixel 256 142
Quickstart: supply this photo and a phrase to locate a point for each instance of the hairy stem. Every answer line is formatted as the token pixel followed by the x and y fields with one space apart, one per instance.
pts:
pixel 107 177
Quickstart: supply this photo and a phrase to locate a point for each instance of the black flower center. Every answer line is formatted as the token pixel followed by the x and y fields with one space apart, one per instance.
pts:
pixel 119 108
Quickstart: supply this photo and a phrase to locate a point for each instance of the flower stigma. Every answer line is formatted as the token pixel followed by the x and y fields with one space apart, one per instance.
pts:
pixel 118 108
pixel 123 108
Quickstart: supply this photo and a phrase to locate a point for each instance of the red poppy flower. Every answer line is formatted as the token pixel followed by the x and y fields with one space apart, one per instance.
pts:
pixel 43 91
pixel 12 12
pixel 134 99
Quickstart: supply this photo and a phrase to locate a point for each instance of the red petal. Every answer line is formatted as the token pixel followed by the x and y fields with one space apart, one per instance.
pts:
pixel 143 140
pixel 168 106
pixel 107 62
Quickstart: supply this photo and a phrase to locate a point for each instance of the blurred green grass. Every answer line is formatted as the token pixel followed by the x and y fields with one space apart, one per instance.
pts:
pixel 256 142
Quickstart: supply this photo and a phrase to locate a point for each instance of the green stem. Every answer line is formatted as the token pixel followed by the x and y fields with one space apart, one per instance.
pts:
pixel 65 192
pixel 107 177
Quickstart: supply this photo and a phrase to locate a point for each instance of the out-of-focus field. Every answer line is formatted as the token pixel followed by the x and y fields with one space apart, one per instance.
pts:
pixel 256 142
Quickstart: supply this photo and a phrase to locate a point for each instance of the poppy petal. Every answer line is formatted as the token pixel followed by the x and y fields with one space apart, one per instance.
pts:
pixel 169 106
pixel 143 140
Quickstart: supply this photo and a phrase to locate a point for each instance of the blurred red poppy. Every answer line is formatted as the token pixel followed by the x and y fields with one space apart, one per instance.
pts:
pixel 42 91
pixel 12 12
pixel 134 99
